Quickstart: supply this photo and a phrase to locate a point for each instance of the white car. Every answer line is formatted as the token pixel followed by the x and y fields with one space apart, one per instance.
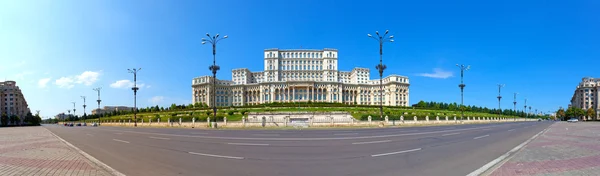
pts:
pixel 573 120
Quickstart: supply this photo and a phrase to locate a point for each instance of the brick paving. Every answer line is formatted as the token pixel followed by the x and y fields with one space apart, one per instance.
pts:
pixel 35 151
pixel 564 149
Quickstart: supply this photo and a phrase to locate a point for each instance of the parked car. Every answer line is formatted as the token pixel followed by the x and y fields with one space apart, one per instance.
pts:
pixel 78 124
pixel 573 120
pixel 94 124
pixel 539 120
pixel 84 124
pixel 71 124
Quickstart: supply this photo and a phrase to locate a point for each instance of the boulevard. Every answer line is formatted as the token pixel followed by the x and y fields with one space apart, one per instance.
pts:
pixel 433 150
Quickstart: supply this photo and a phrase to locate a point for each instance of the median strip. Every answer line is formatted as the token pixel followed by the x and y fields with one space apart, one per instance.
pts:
pixel 216 156
pixel 372 142
pixel 399 152
pixel 121 141
pixel 247 144
pixel 479 137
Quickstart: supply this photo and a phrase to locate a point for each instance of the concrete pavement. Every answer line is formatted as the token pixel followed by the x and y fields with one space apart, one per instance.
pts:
pixel 35 151
pixel 437 150
pixel 564 149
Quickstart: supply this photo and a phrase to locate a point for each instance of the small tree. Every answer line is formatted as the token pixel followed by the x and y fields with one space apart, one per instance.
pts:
pixel 591 113
pixel 4 119
pixel 560 113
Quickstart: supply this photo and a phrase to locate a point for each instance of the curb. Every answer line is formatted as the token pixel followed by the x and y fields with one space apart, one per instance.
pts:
pixel 494 164
pixel 90 157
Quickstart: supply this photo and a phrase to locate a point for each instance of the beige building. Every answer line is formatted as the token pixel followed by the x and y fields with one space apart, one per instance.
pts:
pixel 12 100
pixel 586 95
pixel 109 109
pixel 301 75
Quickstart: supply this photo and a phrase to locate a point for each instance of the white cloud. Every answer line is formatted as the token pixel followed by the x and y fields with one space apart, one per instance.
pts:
pixel 86 78
pixel 21 76
pixel 122 84
pixel 65 82
pixel 125 83
pixel 156 99
pixel 43 82
pixel 437 73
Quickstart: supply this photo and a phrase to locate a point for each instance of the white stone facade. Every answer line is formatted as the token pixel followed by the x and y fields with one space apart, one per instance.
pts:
pixel 586 95
pixel 301 75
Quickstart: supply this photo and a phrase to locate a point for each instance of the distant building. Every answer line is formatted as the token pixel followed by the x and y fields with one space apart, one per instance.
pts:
pixel 61 116
pixel 12 101
pixel 301 75
pixel 109 109
pixel 586 95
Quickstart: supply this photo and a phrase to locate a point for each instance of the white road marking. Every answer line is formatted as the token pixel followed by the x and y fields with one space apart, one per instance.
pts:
pixel 305 139
pixel 121 141
pixel 497 160
pixel 217 156
pixel 486 128
pixel 372 142
pixel 511 130
pixel 247 144
pixel 159 138
pixel 345 134
pixel 266 134
pixel 479 137
pixel 392 153
pixel 89 134
pixel 448 134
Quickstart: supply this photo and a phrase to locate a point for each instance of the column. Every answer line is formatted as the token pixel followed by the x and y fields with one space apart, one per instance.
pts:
pixel 271 95
pixel 293 94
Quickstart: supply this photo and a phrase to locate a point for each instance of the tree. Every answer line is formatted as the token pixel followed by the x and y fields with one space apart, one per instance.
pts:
pixel 591 114
pixel 4 119
pixel 173 106
pixel 421 104
pixel 13 119
pixel 560 113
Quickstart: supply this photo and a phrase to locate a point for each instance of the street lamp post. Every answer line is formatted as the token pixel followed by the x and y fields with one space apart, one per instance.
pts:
pixel 381 67
pixel 135 89
pixel 74 114
pixel 515 105
pixel 499 97
pixel 84 115
pixel 530 110
pixel 98 110
pixel 525 109
pixel 463 68
pixel 69 111
pixel 213 40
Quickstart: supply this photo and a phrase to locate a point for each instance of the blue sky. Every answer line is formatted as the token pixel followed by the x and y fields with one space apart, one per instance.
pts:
pixel 58 51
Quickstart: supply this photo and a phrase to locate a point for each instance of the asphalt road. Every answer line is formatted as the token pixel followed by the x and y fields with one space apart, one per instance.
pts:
pixel 436 150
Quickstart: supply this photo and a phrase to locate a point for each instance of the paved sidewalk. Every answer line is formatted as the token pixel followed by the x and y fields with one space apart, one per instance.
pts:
pixel 564 149
pixel 35 151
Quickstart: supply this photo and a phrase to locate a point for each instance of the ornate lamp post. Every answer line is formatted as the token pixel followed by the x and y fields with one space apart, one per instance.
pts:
pixel 213 40
pixel 98 110
pixel 74 114
pixel 499 97
pixel 381 67
pixel 135 89
pixel 515 104
pixel 84 115
pixel 525 110
pixel 463 68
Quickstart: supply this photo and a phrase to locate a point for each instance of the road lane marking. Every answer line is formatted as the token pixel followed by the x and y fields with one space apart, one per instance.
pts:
pixel 247 144
pixel 121 141
pixel 89 134
pixel 217 156
pixel 448 134
pixel 489 165
pixel 266 134
pixel 399 152
pixel 345 134
pixel 486 128
pixel 305 139
pixel 159 138
pixel 372 142
pixel 479 137
pixel 511 130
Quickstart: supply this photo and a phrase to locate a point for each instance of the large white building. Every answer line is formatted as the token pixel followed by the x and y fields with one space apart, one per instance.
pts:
pixel 301 75
pixel 586 95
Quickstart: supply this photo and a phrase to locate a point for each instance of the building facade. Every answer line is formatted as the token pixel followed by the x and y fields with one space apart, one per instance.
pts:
pixel 586 95
pixel 12 100
pixel 109 109
pixel 301 75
